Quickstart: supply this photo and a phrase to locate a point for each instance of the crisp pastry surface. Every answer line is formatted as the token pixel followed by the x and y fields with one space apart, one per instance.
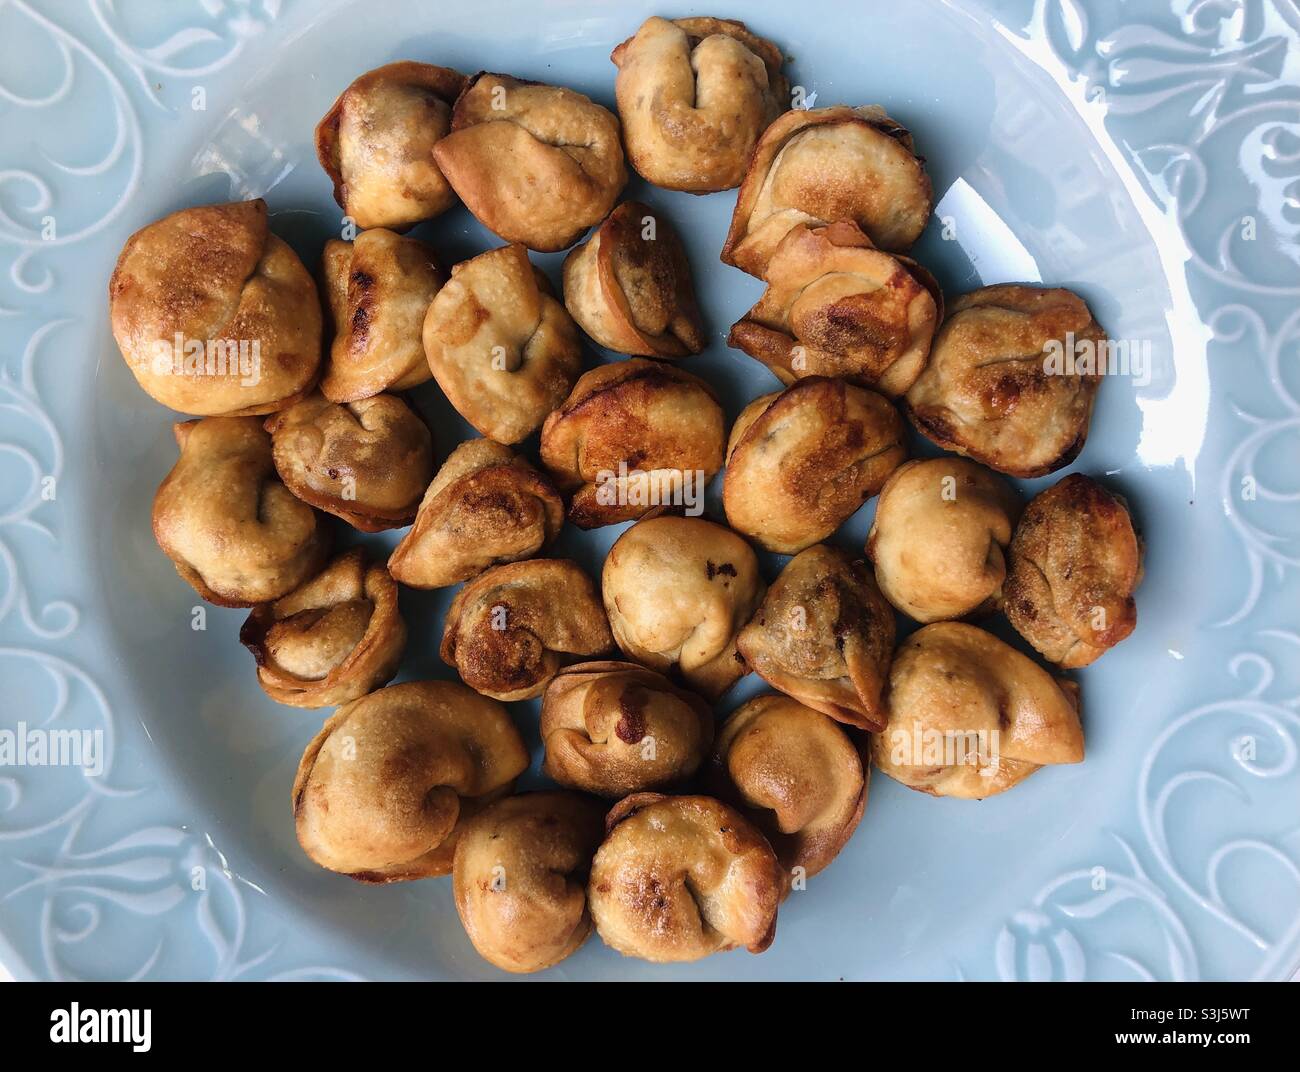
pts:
pixel 376 144
pixel 820 165
pixel 969 716
pixel 629 438
pixel 486 506
pixel 802 461
pixel 989 391
pixel 614 728
pixel 629 286
pixel 939 538
pixel 519 878
pixel 383 791
pixel 367 462
pixel 534 163
pixel 214 314
pixel 378 289
pixel 678 878
pixel 335 638
pixel 824 635
pixel 678 590
pixel 837 306
pixel 233 531
pixel 694 95
pixel 1075 563
pixel 500 344
pixel 510 629
pixel 797 774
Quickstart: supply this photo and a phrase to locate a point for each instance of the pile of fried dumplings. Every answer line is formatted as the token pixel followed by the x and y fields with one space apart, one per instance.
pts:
pixel 672 833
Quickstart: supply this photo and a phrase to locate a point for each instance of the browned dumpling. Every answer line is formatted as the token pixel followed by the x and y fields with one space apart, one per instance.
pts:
pixel 694 95
pixel 384 790
pixel 376 144
pixel 233 531
pixel 615 728
pixel 379 288
pixel 520 878
pixel 1075 563
pixel 837 306
pixel 367 462
pixel 633 435
pixel 510 629
pixel 214 314
pixel 536 164
pixel 629 286
pixel 677 591
pixel 819 165
pixel 486 506
pixel 798 775
pixel 824 635
pixel 939 538
pixel 501 346
pixel 969 716
pixel 678 878
pixel 990 392
pixel 337 637
pixel 802 461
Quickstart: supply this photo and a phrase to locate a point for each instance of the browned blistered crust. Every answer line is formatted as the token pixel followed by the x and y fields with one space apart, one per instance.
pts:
pixel 376 144
pixel 367 462
pixel 234 532
pixel 335 638
pixel 678 878
pixel 629 286
pixel 988 392
pixel 382 793
pixel 694 95
pixel 511 629
pixel 1075 563
pixel 824 635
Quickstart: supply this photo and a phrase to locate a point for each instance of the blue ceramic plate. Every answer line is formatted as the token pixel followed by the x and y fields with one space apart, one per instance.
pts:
pixel 1146 154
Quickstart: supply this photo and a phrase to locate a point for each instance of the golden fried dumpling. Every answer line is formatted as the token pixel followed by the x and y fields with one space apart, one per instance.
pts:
pixel 534 163
pixel 677 591
pixel 379 288
pixel 334 638
pixel 802 461
pixel 969 716
pixel 629 286
pixel 824 635
pixel 991 390
pixel 678 878
pixel 1075 563
pixel 485 507
pixel 384 790
pixel 615 728
pixel 367 462
pixel 214 314
pixel 501 346
pixel 376 144
pixel 520 878
pixel 819 165
pixel 939 538
pixel 797 774
pixel 694 95
pixel 510 629
pixel 633 435
pixel 837 306
pixel 233 531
